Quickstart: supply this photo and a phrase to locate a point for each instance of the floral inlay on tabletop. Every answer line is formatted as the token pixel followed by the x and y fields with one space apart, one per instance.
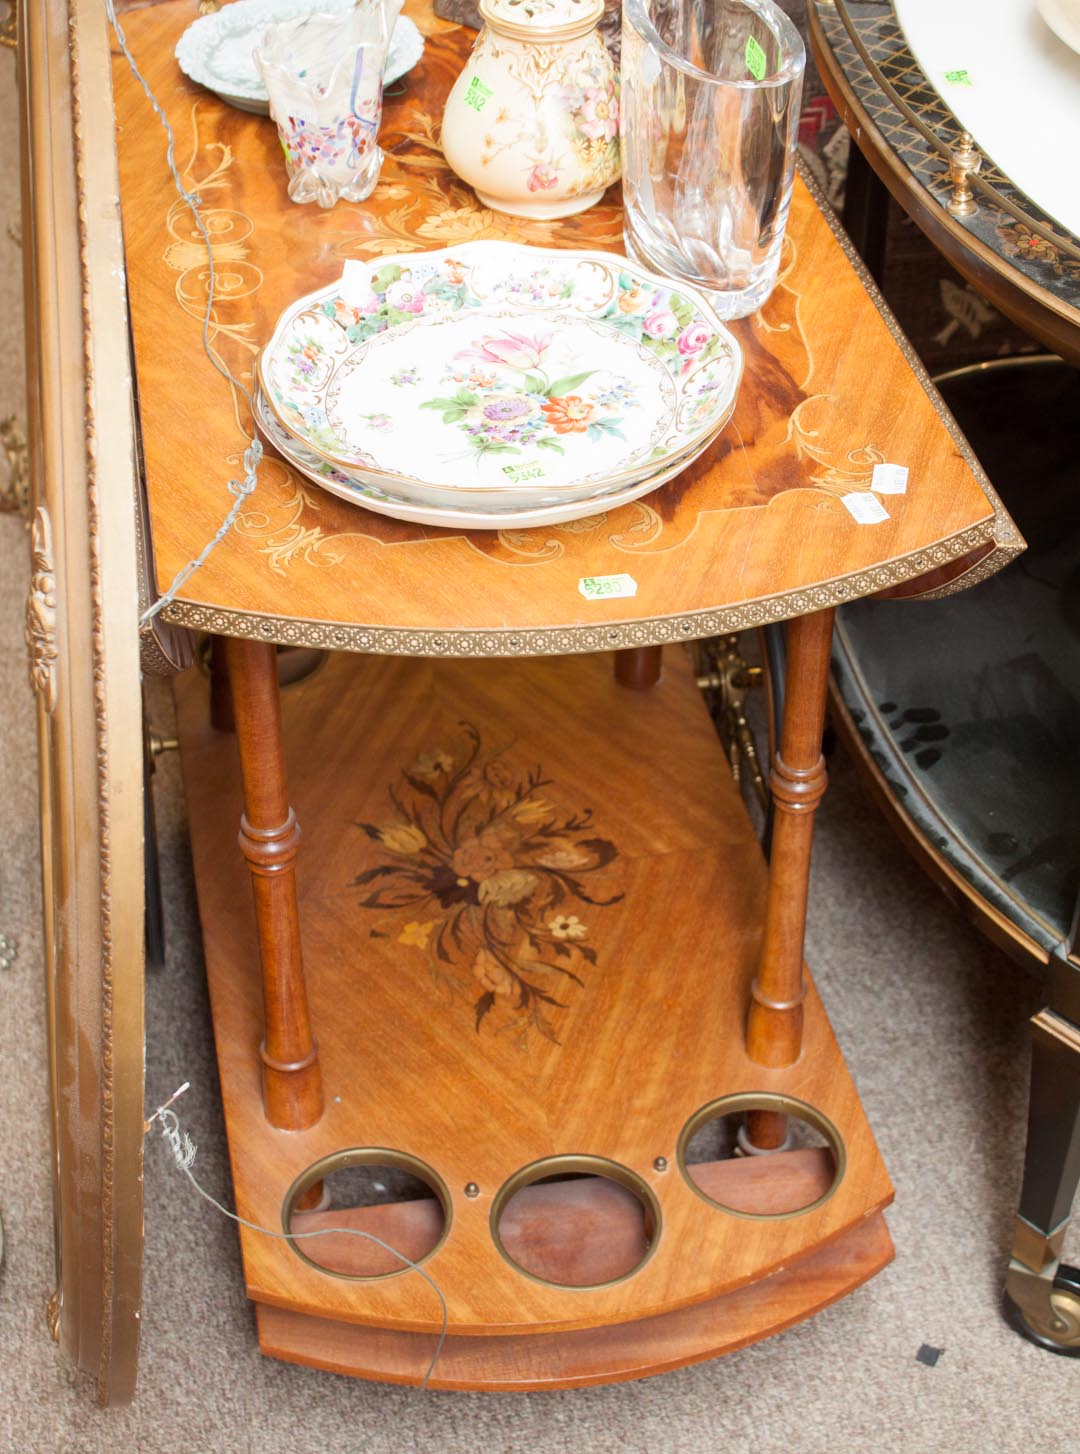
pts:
pixel 483 877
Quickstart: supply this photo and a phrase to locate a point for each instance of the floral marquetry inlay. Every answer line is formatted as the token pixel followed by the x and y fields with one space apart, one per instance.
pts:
pixel 487 881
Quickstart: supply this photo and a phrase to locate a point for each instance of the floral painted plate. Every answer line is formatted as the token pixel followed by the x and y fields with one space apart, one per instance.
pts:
pixel 491 366
pixel 524 496
pixel 473 516
pixel 215 51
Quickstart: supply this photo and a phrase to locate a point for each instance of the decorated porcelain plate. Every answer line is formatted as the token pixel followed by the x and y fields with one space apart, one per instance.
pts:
pixel 489 367
pixel 473 516
pixel 215 50
pixel 448 503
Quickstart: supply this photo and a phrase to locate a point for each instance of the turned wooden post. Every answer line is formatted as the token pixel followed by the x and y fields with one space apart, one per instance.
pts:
pixel 269 839
pixel 638 667
pixel 797 781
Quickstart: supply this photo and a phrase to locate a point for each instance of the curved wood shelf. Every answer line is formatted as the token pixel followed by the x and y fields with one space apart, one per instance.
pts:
pixel 663 931
pixel 578 1360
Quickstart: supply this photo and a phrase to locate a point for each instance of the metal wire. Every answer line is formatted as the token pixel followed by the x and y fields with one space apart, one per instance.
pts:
pixel 183 1151
pixel 244 487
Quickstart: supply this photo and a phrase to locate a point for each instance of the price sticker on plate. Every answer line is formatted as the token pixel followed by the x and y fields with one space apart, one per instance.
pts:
pixel 355 282
pixel 607 588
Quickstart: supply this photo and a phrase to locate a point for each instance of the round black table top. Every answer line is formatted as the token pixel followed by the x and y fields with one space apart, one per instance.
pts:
pixel 1016 254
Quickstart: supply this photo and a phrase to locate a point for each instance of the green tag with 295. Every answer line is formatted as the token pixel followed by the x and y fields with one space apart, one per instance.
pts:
pixel 756 63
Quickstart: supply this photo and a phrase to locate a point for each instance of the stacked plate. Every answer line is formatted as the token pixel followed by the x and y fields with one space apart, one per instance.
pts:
pixel 495 386
pixel 217 49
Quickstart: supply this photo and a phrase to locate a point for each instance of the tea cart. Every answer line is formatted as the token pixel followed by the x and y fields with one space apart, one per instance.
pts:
pixel 534 1012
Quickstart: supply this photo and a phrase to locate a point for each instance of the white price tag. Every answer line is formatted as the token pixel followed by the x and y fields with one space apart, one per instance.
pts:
pixel 356 282
pixel 607 588
pixel 889 479
pixel 867 509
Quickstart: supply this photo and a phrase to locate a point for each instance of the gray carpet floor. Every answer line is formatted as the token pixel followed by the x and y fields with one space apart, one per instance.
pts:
pixel 932 1020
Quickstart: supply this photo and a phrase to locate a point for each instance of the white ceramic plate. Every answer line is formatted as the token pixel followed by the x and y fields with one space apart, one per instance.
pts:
pixel 1009 80
pixel 358 491
pixel 496 372
pixel 429 496
pixel 215 50
pixel 1063 18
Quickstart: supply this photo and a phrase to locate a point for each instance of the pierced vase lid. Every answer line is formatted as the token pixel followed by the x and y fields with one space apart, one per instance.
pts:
pixel 542 19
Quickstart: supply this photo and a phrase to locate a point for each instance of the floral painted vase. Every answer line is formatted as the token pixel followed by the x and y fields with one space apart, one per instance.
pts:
pixel 533 120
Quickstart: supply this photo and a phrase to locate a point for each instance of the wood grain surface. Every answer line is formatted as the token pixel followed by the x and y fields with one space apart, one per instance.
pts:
pixel 576 1360
pixel 531 903
pixel 755 528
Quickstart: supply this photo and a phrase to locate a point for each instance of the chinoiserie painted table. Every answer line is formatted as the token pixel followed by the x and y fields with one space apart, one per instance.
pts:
pixel 1008 218
pixel 530 934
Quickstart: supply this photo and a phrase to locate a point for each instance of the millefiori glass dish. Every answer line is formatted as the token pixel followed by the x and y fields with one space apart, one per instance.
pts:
pixel 323 75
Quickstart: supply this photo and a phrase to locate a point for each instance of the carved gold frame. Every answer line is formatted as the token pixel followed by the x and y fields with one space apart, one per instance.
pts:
pixel 82 632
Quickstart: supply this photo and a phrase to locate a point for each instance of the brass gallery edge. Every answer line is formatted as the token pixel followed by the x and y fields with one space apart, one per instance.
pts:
pixel 569 640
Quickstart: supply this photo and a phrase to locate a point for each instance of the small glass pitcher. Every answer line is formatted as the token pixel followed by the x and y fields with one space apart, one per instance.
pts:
pixel 710 97
pixel 323 75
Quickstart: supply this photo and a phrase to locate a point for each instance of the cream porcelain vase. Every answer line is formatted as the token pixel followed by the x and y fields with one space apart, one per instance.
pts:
pixel 532 122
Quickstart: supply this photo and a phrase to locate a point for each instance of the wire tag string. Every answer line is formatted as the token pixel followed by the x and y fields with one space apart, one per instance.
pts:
pixel 244 487
pixel 184 1150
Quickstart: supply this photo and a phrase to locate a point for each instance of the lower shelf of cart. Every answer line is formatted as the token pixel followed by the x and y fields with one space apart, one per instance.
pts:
pixel 576 1360
pixel 531 906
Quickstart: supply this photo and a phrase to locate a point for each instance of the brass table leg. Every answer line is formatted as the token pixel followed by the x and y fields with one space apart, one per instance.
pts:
pixel 269 840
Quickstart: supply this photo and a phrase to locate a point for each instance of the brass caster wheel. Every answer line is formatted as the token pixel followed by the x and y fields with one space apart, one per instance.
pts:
pixel 1057 1328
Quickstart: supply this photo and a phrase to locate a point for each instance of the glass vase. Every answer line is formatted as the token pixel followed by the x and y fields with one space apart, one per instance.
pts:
pixel 710 114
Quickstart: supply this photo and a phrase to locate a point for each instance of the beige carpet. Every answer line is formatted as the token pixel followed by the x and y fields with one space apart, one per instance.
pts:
pixel 932 1021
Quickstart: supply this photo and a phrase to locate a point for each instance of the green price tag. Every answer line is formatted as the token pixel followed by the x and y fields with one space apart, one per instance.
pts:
pixel 477 94
pixel 959 78
pixel 755 58
pixel 520 472
pixel 607 588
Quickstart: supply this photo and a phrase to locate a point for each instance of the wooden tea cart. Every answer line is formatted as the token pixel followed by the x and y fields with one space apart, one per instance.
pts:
pixel 529 947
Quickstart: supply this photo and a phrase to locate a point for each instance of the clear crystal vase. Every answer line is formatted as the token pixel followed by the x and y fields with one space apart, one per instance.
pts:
pixel 710 98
